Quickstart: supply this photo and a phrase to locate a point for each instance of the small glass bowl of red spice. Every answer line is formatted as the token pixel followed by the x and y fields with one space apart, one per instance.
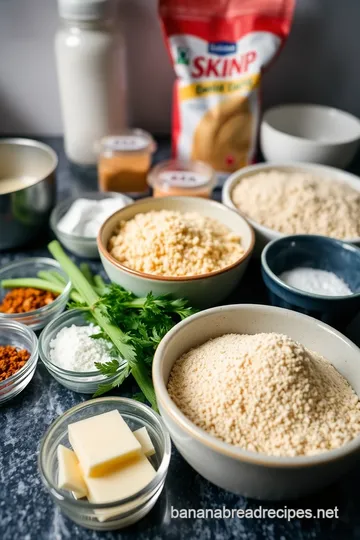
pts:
pixel 21 298
pixel 19 353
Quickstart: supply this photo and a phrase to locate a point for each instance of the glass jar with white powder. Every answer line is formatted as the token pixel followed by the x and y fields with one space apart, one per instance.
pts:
pixel 90 59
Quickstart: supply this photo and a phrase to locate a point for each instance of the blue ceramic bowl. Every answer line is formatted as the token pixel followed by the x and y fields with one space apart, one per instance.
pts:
pixel 317 252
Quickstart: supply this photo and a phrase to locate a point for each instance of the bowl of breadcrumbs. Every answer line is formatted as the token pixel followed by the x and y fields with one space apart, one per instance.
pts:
pixel 261 401
pixel 301 198
pixel 185 246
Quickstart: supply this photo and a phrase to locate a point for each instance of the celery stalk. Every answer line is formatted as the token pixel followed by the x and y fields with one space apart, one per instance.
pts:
pixel 34 283
pixel 58 276
pixel 100 285
pixel 52 277
pixel 85 270
pixel 39 283
pixel 118 338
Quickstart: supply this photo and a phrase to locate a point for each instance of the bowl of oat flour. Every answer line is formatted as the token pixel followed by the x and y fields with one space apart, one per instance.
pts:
pixel 299 198
pixel 261 401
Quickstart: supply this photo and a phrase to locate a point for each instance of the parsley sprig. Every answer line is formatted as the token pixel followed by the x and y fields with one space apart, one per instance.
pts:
pixel 135 326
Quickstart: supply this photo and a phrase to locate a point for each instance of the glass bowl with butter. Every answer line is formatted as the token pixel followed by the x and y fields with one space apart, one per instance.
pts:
pixel 175 177
pixel 101 467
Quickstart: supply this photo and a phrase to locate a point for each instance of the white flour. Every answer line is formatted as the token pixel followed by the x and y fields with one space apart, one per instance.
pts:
pixel 73 348
pixel 316 282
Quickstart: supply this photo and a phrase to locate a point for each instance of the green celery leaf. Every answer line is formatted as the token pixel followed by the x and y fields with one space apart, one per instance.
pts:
pixel 108 368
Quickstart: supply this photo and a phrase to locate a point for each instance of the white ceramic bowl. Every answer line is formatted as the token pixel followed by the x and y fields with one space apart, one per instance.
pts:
pixel 311 133
pixel 82 246
pixel 249 473
pixel 203 290
pixel 264 234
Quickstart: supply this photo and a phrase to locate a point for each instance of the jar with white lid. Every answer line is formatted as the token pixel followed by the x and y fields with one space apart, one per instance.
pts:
pixel 124 161
pixel 90 57
pixel 175 177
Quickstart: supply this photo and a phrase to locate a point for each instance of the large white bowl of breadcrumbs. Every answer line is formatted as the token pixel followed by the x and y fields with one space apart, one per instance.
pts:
pixel 300 198
pixel 261 401
pixel 184 246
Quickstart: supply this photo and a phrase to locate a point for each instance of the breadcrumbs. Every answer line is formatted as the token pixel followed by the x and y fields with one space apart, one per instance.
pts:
pixel 11 360
pixel 299 203
pixel 170 243
pixel 25 299
pixel 265 393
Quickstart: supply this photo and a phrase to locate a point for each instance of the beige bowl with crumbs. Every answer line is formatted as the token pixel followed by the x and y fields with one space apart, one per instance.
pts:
pixel 202 290
pixel 265 234
pixel 241 471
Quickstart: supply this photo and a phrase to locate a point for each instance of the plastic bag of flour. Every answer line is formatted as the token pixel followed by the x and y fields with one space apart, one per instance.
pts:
pixel 219 49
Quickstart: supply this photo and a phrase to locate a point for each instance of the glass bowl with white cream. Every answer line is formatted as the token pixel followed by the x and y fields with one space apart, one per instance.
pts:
pixel 76 221
pixel 112 498
pixel 316 275
pixel 69 353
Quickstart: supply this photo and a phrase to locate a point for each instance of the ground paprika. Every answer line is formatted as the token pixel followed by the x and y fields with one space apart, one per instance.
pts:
pixel 11 360
pixel 24 299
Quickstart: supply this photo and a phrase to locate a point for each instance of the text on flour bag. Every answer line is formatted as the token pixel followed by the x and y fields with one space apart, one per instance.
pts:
pixel 219 49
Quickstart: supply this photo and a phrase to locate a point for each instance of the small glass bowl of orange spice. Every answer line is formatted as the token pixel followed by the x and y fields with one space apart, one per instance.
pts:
pixel 19 354
pixel 182 178
pixel 124 161
pixel 30 305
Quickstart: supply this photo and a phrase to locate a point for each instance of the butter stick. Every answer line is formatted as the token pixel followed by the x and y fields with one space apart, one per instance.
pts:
pixel 143 437
pixel 125 481
pixel 102 442
pixel 69 475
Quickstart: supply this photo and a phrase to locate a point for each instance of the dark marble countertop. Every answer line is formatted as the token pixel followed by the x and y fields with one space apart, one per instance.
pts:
pixel 26 510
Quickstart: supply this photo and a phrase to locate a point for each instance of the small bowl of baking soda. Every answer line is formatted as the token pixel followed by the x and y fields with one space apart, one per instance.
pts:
pixel 76 221
pixel 315 275
pixel 69 352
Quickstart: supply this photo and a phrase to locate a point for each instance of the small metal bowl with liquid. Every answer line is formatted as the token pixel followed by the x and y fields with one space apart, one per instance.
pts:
pixel 27 190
